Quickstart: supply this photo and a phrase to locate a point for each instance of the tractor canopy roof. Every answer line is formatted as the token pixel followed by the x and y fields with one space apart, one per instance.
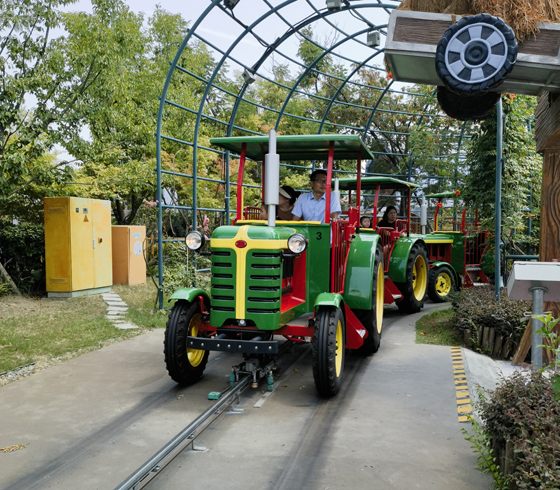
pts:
pixel 373 182
pixel 298 147
pixel 447 194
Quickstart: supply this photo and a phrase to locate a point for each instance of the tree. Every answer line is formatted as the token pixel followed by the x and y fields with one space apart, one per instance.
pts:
pixel 121 109
pixel 36 70
pixel 521 175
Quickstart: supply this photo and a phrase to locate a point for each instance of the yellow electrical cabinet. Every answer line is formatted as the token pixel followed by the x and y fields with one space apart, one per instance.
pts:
pixel 129 266
pixel 78 252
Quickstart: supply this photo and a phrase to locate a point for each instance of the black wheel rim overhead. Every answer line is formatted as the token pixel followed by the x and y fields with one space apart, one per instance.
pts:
pixel 476 55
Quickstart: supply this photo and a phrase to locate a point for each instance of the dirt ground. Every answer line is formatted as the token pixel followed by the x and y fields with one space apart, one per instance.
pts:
pixel 14 306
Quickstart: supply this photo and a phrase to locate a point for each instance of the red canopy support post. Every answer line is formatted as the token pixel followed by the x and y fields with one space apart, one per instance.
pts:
pixel 330 161
pixel 359 186
pixel 240 181
pixel 436 215
pixel 374 217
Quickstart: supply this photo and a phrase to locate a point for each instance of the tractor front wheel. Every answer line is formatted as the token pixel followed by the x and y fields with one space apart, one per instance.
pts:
pixel 327 346
pixel 372 319
pixel 414 289
pixel 184 365
pixel 441 283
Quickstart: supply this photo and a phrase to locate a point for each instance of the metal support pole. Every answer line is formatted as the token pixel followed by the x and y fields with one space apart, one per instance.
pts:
pixel 424 215
pixel 159 230
pixel 536 324
pixel 272 178
pixel 498 203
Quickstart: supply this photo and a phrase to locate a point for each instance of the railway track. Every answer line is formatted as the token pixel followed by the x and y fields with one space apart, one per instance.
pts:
pixel 154 466
pixel 244 376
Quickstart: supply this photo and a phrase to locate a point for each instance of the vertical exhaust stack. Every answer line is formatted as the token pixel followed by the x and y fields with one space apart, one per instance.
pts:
pixel 336 189
pixel 424 215
pixel 272 178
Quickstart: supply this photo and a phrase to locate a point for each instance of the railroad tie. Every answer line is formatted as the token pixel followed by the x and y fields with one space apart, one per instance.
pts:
pixel 464 407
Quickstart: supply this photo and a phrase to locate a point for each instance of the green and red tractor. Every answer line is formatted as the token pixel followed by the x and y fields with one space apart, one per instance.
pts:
pixel 455 251
pixel 405 259
pixel 322 283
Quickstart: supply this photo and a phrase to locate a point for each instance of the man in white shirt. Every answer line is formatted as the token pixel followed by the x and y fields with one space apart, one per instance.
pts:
pixel 311 206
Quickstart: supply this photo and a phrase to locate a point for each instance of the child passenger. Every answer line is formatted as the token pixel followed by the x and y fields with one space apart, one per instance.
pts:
pixel 365 222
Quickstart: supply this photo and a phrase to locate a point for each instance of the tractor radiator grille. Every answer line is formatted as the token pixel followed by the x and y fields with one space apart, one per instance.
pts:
pixel 263 288
pixel 222 290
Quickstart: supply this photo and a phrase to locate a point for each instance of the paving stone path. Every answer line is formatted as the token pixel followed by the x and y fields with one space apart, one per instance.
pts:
pixel 116 310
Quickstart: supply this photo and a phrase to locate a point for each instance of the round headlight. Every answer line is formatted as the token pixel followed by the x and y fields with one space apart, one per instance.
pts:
pixel 194 240
pixel 297 243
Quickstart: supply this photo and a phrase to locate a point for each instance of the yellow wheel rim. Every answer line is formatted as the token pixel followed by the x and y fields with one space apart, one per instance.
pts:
pixel 419 277
pixel 195 355
pixel 443 284
pixel 380 298
pixel 339 348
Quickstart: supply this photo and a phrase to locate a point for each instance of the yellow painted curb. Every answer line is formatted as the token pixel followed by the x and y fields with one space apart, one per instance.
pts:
pixel 461 387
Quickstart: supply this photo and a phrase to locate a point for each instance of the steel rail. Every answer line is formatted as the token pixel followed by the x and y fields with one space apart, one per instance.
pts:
pixel 150 469
pixel 153 466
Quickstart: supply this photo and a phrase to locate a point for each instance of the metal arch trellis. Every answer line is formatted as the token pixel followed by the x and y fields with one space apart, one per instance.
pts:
pixel 350 6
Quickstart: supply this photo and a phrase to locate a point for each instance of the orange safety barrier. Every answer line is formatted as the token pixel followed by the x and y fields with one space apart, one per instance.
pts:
pixel 475 246
pixel 388 239
pixel 401 225
pixel 251 212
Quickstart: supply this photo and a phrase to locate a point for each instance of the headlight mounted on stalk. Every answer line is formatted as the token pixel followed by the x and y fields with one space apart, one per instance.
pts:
pixel 297 243
pixel 195 240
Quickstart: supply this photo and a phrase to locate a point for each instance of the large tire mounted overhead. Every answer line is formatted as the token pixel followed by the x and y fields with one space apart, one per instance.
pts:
pixel 184 365
pixel 329 337
pixel 476 55
pixel 471 108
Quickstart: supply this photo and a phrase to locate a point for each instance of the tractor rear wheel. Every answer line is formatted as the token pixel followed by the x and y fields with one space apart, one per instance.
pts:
pixel 372 319
pixel 327 346
pixel 414 289
pixel 441 283
pixel 184 365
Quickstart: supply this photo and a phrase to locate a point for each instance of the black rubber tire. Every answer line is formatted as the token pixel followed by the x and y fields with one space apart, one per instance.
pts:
pixel 414 294
pixel 475 53
pixel 327 351
pixel 441 283
pixel 370 318
pixel 185 366
pixel 464 108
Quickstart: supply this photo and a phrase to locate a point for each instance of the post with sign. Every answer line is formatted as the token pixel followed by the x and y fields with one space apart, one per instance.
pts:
pixel 539 282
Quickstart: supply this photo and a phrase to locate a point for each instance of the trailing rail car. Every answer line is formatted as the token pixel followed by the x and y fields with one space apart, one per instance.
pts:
pixel 456 249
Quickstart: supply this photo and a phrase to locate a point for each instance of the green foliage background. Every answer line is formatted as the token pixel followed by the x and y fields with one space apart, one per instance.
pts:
pixel 97 89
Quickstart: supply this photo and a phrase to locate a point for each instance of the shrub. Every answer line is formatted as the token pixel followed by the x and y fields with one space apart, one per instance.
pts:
pixel 477 307
pixel 5 289
pixel 523 410
pixel 179 271
pixel 22 250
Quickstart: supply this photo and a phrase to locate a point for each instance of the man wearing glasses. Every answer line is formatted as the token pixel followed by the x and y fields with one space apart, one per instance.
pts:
pixel 311 206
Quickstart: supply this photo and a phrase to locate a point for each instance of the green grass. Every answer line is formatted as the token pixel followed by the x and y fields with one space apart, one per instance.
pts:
pixel 44 330
pixel 436 328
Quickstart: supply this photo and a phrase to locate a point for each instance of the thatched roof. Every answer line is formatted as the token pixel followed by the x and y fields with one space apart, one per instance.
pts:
pixel 521 15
